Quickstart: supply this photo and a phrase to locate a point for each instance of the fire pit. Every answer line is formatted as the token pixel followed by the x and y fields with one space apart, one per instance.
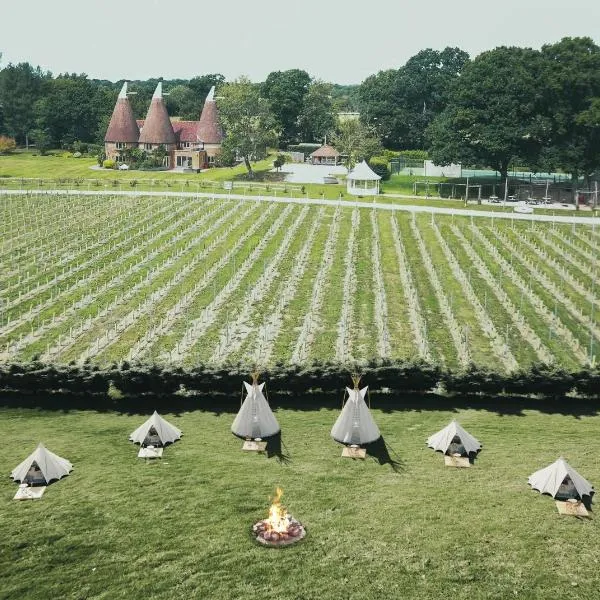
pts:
pixel 280 529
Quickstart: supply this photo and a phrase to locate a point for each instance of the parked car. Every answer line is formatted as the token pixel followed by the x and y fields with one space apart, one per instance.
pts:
pixel 123 167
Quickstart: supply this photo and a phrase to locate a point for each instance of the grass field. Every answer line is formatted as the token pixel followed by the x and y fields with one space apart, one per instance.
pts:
pixel 118 527
pixel 182 280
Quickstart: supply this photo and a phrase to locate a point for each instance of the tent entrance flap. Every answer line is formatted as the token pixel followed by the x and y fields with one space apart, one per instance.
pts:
pixel 34 475
pixel 152 438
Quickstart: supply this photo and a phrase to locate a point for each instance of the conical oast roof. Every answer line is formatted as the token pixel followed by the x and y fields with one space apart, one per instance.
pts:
pixel 355 425
pixel 441 440
pixel 51 465
pixel 122 126
pixel 255 418
pixel 166 432
pixel 209 126
pixel 549 480
pixel 157 127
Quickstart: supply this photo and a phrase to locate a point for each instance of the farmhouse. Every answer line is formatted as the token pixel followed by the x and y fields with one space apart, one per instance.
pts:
pixel 187 144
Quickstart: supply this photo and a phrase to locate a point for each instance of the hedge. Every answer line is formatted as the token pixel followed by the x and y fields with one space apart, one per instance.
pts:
pixel 318 379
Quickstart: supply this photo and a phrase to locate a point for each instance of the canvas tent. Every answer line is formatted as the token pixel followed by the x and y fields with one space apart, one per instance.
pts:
pixel 156 431
pixel 453 439
pixel 255 419
pixel 355 425
pixel 561 481
pixel 41 467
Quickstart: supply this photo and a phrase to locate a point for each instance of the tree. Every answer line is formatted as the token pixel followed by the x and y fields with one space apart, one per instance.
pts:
pixel 279 161
pixel 20 88
pixel 316 118
pixel 401 103
pixel 493 112
pixel 285 92
pixel 571 79
pixel 43 141
pixel 355 141
pixel 249 125
pixel 7 144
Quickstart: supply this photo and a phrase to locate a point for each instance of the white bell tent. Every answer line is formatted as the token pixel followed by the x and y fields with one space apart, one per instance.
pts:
pixel 453 439
pixel 41 467
pixel 561 481
pixel 255 419
pixel 362 180
pixel 355 425
pixel 156 431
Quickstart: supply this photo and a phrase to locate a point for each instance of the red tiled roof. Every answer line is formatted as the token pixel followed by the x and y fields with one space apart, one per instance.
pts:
pixel 185 131
pixel 325 151
pixel 122 126
pixel 209 126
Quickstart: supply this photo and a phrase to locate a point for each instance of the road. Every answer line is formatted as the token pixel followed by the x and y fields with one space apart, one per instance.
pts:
pixel 431 210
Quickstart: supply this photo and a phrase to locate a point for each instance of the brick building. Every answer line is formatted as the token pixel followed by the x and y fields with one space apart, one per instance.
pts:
pixel 188 144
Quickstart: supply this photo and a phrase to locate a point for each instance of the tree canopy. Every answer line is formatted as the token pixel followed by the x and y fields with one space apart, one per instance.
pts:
pixel 249 125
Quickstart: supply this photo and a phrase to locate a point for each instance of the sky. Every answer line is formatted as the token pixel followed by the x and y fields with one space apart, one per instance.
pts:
pixel 340 41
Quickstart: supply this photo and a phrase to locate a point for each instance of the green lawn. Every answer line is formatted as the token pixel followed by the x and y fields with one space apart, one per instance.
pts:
pixel 58 170
pixel 118 527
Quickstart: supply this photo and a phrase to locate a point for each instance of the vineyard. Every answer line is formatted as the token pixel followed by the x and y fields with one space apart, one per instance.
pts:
pixel 182 281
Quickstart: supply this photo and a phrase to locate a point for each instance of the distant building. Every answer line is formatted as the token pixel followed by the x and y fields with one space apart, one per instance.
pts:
pixel 325 155
pixel 191 144
pixel 348 116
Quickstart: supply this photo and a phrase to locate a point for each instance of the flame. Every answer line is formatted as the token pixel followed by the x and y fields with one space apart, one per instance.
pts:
pixel 279 519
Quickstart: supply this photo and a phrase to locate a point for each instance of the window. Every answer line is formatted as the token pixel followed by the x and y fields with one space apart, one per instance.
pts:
pixel 147 146
pixel 185 144
pixel 211 160
pixel 119 158
pixel 120 145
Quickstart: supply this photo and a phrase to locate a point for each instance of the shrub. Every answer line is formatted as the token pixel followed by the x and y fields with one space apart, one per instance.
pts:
pixel 379 164
pixel 76 154
pixel 7 144
pixel 414 154
pixel 108 163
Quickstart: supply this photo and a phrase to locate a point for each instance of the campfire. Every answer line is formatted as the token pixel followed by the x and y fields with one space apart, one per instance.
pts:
pixel 280 529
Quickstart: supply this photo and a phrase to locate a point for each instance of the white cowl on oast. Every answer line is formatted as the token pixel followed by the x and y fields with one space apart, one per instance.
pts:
pixel 255 418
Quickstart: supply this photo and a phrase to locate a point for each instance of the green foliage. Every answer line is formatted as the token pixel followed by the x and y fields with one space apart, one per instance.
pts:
pixel 493 111
pixel 285 91
pixel 248 122
pixel 414 154
pixel 7 144
pixel 355 141
pixel 316 118
pixel 280 161
pixel 401 103
pixel 109 163
pixel 380 165
pixel 42 140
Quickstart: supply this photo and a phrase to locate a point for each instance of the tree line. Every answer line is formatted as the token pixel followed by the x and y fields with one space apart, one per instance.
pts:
pixel 537 108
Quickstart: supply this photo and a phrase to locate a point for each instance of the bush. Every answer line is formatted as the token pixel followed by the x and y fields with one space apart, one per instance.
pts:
pixel 108 163
pixel 7 144
pixel 379 164
pixel 414 154
pixel 76 154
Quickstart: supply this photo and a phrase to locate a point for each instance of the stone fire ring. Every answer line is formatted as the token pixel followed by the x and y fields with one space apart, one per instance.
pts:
pixel 296 533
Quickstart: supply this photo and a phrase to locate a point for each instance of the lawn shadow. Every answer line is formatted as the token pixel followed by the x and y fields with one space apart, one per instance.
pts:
pixel 276 448
pixel 384 454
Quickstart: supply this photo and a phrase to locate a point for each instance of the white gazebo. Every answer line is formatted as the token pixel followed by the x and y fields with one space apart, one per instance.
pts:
pixel 363 181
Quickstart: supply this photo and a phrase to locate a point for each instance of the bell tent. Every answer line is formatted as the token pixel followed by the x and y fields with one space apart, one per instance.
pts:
pixel 453 439
pixel 156 431
pixel 355 425
pixel 255 419
pixel 561 481
pixel 41 467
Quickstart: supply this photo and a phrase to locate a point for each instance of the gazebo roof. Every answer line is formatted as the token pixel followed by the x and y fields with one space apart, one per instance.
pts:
pixel 325 151
pixel 362 172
